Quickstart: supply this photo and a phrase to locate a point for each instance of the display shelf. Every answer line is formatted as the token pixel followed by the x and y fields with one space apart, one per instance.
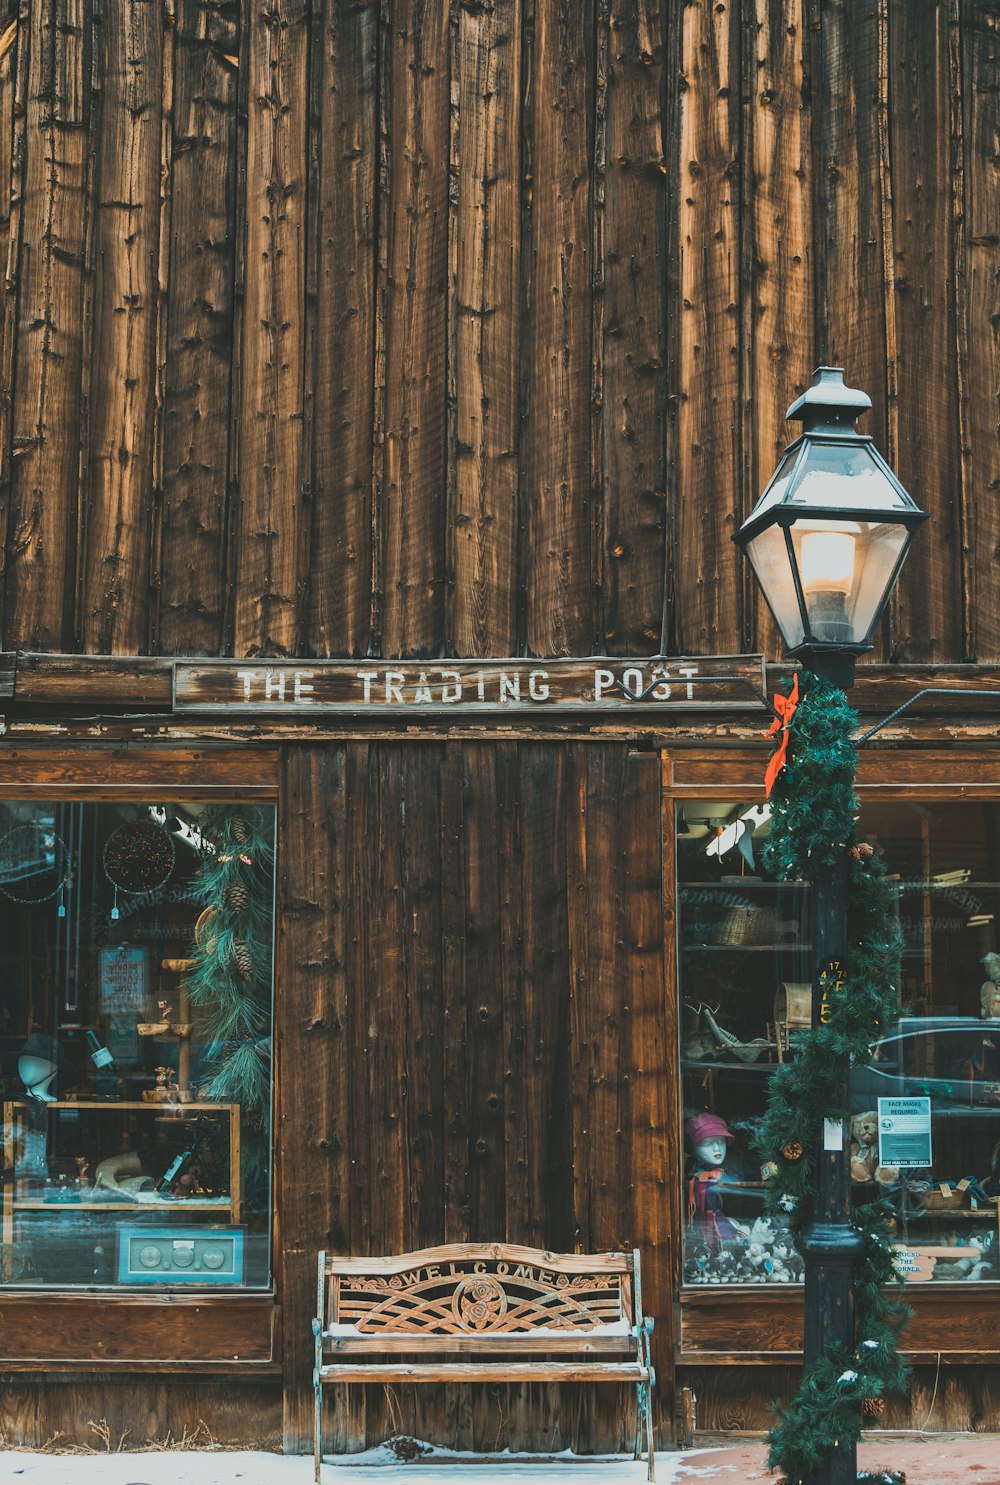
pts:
pixel 790 947
pixel 912 886
pixel 14 1203
pixel 693 1064
pixel 167 1204
pixel 744 885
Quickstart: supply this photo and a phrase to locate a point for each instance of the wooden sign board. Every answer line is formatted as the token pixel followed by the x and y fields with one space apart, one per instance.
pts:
pixel 363 687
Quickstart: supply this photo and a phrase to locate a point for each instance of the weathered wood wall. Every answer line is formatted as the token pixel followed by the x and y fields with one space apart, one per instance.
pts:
pixel 472 1039
pixel 345 327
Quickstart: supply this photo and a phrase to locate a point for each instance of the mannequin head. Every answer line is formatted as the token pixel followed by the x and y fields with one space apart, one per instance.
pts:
pixel 37 1067
pixel 37 1073
pixel 708 1139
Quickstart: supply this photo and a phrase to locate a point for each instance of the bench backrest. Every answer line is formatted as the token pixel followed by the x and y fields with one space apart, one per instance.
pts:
pixel 476 1294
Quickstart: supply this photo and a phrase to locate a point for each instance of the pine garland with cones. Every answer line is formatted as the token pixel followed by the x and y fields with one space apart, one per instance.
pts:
pixel 230 984
pixel 814 820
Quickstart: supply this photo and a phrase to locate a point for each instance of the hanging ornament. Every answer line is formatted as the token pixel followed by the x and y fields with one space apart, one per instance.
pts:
pixel 35 865
pixel 138 858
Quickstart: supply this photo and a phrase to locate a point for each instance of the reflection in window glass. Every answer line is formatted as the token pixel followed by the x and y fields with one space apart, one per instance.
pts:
pixel 135 1043
pixel 745 965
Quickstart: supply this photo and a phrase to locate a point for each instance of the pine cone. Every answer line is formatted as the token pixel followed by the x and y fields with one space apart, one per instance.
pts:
pixel 237 896
pixel 239 828
pixel 872 1407
pixel 244 960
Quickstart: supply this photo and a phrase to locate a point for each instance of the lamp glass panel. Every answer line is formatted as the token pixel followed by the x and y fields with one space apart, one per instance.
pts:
pixel 839 475
pixel 778 487
pixel 845 568
pixel 768 556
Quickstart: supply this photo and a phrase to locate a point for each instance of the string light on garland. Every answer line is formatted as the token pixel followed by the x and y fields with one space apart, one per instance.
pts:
pixel 35 865
pixel 814 813
pixel 138 858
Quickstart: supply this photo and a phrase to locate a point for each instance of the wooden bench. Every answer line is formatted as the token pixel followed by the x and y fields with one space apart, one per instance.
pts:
pixel 487 1303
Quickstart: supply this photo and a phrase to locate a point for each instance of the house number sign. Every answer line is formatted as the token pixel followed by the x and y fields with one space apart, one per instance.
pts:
pixel 469 686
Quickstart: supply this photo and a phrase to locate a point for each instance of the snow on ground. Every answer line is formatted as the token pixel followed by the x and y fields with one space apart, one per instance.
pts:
pixel 183 1467
pixel 965 1459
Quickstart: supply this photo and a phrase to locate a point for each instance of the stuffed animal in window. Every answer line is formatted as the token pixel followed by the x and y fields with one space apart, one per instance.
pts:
pixel 865 1165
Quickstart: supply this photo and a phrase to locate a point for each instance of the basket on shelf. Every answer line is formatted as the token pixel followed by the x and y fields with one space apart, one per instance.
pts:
pixel 936 1201
pixel 746 925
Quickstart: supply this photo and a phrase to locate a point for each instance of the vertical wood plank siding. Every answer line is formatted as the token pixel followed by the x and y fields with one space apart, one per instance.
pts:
pixel 557 143
pixel 403 327
pixel 504 1076
pixel 484 265
pixel 271 529
pixel 778 184
pixel 629 487
pixel 341 245
pixel 114 594
pixel 978 312
pixel 414 300
pixel 191 579
pixel 13 79
pixel 930 619
pixel 709 581
pixel 52 338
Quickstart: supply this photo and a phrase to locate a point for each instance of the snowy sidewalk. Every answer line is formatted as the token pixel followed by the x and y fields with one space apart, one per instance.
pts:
pixel 937 1460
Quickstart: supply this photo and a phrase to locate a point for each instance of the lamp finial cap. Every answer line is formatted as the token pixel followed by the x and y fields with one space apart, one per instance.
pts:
pixel 829 400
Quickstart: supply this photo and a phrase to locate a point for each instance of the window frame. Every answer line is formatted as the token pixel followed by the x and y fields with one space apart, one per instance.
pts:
pixel 155 1331
pixel 762 1324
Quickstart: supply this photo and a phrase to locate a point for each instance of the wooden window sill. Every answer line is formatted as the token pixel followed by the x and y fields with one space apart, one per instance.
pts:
pixel 753 1324
pixel 101 1330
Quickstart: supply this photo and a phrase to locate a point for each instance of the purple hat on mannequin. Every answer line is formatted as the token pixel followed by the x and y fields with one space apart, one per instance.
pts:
pixel 702 1127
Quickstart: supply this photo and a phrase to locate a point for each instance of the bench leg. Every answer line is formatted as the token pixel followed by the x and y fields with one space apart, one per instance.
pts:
pixel 647 1331
pixel 318 1400
pixel 640 1397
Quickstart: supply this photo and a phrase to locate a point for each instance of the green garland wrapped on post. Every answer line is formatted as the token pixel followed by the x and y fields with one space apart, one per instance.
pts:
pixel 814 815
pixel 230 984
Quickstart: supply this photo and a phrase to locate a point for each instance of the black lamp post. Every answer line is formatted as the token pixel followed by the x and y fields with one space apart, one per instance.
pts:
pixel 826 541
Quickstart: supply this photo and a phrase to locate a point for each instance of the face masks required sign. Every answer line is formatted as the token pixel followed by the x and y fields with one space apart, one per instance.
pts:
pixel 904 1132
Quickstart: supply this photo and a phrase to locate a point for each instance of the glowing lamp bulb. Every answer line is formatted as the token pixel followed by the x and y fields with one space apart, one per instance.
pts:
pixel 827 560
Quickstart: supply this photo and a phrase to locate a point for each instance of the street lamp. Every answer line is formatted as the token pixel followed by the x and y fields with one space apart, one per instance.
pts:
pixel 830 533
pixel 826 541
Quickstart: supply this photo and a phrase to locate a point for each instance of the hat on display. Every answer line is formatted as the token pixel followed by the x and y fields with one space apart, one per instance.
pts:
pixel 40 1045
pixel 704 1127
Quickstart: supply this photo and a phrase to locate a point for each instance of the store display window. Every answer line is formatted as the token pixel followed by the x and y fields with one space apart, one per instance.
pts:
pixel 135 1043
pixel 925 1116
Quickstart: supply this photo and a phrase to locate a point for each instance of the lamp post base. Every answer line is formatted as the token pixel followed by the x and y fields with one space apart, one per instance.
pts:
pixel 831 1251
pixel 833 665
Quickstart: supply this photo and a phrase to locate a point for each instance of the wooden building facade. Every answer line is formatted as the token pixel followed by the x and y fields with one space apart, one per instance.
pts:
pixel 416 337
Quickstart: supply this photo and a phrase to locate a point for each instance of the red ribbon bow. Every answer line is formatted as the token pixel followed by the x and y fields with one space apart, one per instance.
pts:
pixel 784 707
